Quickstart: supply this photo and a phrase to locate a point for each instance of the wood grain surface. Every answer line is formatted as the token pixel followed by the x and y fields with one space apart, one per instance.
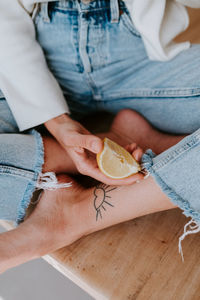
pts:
pixel 138 259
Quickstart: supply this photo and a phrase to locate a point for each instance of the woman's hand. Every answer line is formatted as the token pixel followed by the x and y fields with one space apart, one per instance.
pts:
pixel 82 148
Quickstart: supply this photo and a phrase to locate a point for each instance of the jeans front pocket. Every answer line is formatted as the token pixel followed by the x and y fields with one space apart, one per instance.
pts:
pixel 128 23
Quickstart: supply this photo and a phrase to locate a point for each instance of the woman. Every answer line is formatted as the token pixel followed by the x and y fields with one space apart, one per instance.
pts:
pixel 100 61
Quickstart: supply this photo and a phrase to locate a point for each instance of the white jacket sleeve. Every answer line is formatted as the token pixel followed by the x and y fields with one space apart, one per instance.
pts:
pixel 32 92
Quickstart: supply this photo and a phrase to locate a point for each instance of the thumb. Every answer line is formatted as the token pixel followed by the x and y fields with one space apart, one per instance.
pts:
pixel 87 141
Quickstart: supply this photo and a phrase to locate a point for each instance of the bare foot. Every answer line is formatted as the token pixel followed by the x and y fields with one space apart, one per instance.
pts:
pixel 129 126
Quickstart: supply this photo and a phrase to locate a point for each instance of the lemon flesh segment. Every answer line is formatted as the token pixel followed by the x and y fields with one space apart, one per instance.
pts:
pixel 115 162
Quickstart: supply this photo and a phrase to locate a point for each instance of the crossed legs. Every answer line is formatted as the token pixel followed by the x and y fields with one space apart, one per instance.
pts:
pixel 65 215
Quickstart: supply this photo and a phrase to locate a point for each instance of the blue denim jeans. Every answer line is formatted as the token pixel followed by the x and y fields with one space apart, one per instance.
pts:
pixel 21 160
pixel 98 57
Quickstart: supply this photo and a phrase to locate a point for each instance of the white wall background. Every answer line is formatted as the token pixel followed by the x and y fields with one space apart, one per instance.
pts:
pixel 37 280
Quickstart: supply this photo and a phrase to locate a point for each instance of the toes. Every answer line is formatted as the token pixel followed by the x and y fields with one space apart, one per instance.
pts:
pixel 135 151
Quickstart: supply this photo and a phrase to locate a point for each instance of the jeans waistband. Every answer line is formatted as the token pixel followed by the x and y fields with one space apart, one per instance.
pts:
pixel 86 6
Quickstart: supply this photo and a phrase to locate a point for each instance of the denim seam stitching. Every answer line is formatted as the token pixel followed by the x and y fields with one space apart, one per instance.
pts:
pixel 14 171
pixel 174 154
pixel 157 93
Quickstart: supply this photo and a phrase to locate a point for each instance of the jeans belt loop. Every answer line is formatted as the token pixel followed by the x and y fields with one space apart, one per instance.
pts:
pixel 114 11
pixel 78 4
pixel 35 11
pixel 45 12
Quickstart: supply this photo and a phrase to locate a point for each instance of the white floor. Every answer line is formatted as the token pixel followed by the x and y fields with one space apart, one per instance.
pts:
pixel 37 280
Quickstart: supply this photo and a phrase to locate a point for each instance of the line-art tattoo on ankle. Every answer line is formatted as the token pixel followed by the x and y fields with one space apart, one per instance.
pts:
pixel 101 198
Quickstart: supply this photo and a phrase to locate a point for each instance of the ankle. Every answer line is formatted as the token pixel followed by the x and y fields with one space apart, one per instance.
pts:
pixel 84 209
pixel 56 158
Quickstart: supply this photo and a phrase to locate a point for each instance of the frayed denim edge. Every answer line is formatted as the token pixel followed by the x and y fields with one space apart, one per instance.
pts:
pixel 188 211
pixel 32 184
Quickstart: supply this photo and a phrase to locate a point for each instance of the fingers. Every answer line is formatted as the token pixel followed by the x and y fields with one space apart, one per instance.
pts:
pixel 83 163
pixel 126 181
pixel 131 147
pixel 70 133
pixel 135 151
pixel 86 161
pixel 89 142
pixel 79 150
pixel 87 165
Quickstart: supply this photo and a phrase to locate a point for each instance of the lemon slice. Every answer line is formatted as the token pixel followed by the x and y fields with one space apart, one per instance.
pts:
pixel 115 162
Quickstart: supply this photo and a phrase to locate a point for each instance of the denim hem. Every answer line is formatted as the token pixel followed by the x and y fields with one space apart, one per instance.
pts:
pixel 188 211
pixel 32 184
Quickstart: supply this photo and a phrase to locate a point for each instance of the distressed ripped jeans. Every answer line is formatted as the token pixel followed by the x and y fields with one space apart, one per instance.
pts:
pixel 99 60
pixel 21 161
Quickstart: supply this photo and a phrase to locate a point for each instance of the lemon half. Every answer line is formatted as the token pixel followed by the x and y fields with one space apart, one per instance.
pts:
pixel 115 162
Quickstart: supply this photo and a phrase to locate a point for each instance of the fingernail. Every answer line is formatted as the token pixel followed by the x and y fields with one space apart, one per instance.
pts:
pixel 137 181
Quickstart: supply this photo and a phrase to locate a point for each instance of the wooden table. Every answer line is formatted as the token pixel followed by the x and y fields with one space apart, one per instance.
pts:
pixel 138 259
